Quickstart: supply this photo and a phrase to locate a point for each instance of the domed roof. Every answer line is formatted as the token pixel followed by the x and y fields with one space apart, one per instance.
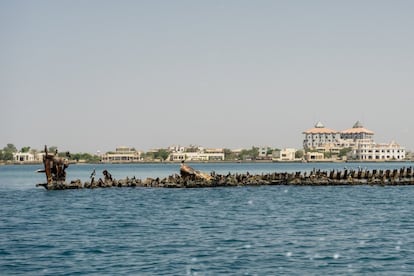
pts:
pixel 357 128
pixel 320 129
pixel 319 125
pixel 358 125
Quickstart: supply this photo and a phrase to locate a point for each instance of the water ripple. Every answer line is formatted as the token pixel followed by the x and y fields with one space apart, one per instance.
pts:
pixel 248 230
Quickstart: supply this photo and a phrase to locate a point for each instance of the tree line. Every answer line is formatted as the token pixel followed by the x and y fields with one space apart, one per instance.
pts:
pixel 6 154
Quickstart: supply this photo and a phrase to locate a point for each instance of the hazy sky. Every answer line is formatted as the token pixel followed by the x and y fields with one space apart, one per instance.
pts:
pixel 93 75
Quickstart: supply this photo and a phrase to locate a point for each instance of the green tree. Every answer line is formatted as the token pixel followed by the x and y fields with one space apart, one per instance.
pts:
pixel 8 152
pixel 10 148
pixel 244 154
pixel 25 149
pixel 254 152
pixel 269 151
pixel 327 154
pixel 230 155
pixel 148 155
pixel 344 151
pixel 161 154
pixel 7 156
pixel 62 154
pixel 52 149
pixel 89 158
pixel 299 154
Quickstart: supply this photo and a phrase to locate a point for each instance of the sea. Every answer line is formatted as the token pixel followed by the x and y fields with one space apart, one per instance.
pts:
pixel 266 230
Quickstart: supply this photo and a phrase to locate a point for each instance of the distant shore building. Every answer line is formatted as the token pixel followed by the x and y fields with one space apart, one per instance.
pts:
pixel 409 155
pixel 23 157
pixel 359 139
pixel 176 148
pixel 320 137
pixel 314 156
pixel 122 155
pixel 357 133
pixel 379 152
pixel 286 155
pixel 28 157
pixel 194 153
pixel 262 153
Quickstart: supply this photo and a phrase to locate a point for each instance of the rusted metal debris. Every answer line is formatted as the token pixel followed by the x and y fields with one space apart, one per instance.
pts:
pixel 54 169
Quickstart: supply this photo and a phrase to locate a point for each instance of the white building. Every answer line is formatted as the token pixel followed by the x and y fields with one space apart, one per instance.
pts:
pixel 176 149
pixel 122 155
pixel 357 132
pixel 24 157
pixel 314 156
pixel 365 148
pixel 197 154
pixel 360 139
pixel 262 152
pixel 287 154
pixel 321 138
pixel 379 152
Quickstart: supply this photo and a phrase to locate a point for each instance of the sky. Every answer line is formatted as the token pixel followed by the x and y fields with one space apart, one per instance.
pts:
pixel 93 75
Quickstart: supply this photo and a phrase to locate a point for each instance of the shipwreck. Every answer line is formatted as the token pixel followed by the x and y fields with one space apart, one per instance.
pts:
pixel 55 172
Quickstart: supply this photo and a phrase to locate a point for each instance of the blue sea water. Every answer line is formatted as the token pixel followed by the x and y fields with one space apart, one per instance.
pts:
pixel 268 230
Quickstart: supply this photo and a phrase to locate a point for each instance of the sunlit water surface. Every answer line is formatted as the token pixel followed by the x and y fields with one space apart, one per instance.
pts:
pixel 269 230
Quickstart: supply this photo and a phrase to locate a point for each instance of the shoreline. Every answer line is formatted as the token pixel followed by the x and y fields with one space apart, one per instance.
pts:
pixel 218 162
